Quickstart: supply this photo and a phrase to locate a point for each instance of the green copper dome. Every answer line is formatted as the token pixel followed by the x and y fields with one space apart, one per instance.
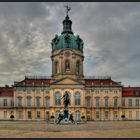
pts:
pixel 67 39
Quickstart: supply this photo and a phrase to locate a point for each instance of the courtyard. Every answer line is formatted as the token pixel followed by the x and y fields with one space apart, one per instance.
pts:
pixel 92 129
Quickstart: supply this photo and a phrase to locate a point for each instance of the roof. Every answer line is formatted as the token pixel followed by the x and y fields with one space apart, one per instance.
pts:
pixel 131 92
pixel 98 81
pixel 6 91
pixel 34 81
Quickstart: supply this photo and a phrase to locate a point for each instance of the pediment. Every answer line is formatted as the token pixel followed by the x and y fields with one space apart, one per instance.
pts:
pixel 66 81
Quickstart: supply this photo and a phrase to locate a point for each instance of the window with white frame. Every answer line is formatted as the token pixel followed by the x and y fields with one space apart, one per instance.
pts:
pixel 97 101
pixel 130 102
pixel 4 102
pixel 123 101
pixel 97 115
pixel 47 100
pixel 37 114
pixel 57 98
pixel 106 91
pixel 115 115
pixel 28 90
pixel 77 98
pixel 38 101
pixel 88 101
pixel 137 115
pixel 137 102
pixel 130 115
pixel 116 101
pixel 29 100
pixel 106 101
pixel 19 101
pixel 97 91
pixel 29 115
pixel 37 90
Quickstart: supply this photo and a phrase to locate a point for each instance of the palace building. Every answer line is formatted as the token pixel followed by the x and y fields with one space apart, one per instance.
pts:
pixel 95 97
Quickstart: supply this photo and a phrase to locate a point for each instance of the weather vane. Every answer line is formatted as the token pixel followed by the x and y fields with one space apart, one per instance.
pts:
pixel 67 9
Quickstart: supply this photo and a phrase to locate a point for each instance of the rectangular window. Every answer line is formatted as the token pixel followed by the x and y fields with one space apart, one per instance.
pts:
pixel 115 115
pixel 106 115
pixel 123 102
pixel 115 91
pixel 115 102
pixel 97 102
pixel 38 114
pixel 11 102
pixel 20 115
pixel 130 115
pixel 137 102
pixel 29 90
pixel 38 101
pixel 97 115
pixel 106 91
pixel 130 102
pixel 137 115
pixel 4 102
pixel 106 102
pixel 29 115
pixel 37 90
pixel 97 91
pixel 4 114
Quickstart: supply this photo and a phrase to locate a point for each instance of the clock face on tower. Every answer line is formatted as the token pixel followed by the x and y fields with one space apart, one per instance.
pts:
pixel 67 54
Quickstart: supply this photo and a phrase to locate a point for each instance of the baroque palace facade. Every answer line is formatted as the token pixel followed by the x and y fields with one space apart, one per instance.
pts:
pixel 96 98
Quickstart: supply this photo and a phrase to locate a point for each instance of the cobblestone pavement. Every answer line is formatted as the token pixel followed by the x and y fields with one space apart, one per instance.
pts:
pixel 88 129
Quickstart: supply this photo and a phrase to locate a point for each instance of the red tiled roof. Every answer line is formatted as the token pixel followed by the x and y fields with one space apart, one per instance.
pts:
pixel 131 91
pixel 6 91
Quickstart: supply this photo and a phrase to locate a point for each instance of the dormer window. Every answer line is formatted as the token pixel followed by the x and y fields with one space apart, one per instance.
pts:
pixel 67 66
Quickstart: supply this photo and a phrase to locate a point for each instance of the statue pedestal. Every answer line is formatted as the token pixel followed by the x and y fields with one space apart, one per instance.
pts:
pixel 65 117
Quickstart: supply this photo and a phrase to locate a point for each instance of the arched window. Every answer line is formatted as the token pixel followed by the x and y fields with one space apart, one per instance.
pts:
pixel 106 101
pixel 67 66
pixel 88 101
pixel 56 67
pixel 57 98
pixel 47 101
pixel 19 101
pixel 28 100
pixel 38 101
pixel 77 116
pixel 77 98
pixel 78 67
pixel 115 101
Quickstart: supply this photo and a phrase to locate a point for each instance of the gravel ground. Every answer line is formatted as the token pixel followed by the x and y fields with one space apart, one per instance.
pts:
pixel 38 129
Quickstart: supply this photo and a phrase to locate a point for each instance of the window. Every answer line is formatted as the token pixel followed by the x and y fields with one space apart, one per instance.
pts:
pixel 137 102
pixel 67 66
pixel 130 102
pixel 37 114
pixel 77 98
pixel 106 115
pixel 97 102
pixel 97 91
pixel 28 100
pixel 47 101
pixel 115 115
pixel 106 91
pixel 78 67
pixel 29 115
pixel 56 67
pixel 78 115
pixel 123 102
pixel 37 90
pixel 4 102
pixel 137 115
pixel 116 91
pixel 115 101
pixel 57 98
pixel 19 101
pixel 11 102
pixel 106 101
pixel 38 101
pixel 19 90
pixel 29 90
pixel 130 115
pixel 88 101
pixel 47 91
pixel 97 115
pixel 4 114
pixel 20 115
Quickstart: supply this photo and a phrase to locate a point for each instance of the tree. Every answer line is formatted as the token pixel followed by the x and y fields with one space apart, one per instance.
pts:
pixel 12 116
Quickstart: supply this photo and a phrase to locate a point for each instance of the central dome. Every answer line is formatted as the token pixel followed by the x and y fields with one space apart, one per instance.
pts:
pixel 67 39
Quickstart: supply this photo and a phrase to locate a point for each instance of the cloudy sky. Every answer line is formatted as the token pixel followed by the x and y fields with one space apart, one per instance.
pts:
pixel 111 34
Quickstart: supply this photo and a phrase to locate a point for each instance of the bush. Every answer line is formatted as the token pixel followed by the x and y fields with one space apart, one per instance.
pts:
pixel 82 117
pixel 52 117
pixel 122 116
pixel 12 116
